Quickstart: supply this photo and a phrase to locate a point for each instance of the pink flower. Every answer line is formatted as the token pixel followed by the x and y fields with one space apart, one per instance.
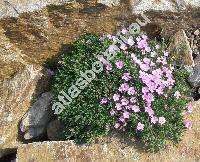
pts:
pixel 165 95
pixel 148 49
pixel 138 39
pixel 122 119
pixel 104 101
pixel 177 94
pixel 153 54
pixel 154 119
pixel 109 67
pixel 114 38
pixel 124 87
pixel 188 124
pixel 112 48
pixel 140 126
pixel 132 99
pixel 158 47
pixel 126 52
pixel 116 97
pixel 117 125
pixel 161 120
pixel 159 90
pixel 126 76
pixel 118 106
pixel 125 101
pixel 119 64
pixel 124 31
pixel 152 64
pixel 189 108
pixel 109 36
pixel 126 114
pixel 144 37
pixel 112 112
pixel 164 61
pixel 166 54
pixel 158 60
pixel 146 60
pixel 107 126
pixel 131 91
pixel 123 47
pixel 130 41
pixel 135 108
pixel 142 44
pixel 148 97
pixel 133 57
pixel 145 90
pixel 149 111
pixel 144 67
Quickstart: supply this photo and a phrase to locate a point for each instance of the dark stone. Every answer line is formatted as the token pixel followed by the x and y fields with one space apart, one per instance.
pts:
pixel 54 130
pixel 194 78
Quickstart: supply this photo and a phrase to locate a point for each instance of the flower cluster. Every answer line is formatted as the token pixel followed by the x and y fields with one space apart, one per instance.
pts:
pixel 138 91
pixel 156 77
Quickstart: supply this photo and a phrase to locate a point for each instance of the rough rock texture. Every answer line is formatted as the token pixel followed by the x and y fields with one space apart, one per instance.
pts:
pixel 14 7
pixel 35 38
pixel 194 78
pixel 34 122
pixel 16 95
pixel 115 150
pixel 140 6
pixel 180 48
pixel 55 130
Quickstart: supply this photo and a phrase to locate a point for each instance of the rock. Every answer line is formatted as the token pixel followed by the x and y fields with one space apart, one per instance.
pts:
pixel 55 130
pixel 14 7
pixel 109 3
pixel 140 6
pixel 180 49
pixel 16 95
pixel 196 32
pixel 194 78
pixel 35 121
pixel 116 149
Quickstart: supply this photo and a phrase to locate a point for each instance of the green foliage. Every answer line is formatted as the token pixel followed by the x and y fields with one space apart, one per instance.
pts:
pixel 85 118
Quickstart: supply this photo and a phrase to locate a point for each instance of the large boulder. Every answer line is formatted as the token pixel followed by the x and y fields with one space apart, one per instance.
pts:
pixel 34 122
pixel 16 95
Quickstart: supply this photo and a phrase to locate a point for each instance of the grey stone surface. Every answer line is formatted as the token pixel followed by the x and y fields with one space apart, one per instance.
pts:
pixel 194 78
pixel 14 7
pixel 35 121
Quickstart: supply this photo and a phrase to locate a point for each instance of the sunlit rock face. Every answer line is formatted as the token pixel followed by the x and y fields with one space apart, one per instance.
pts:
pixel 14 7
pixel 17 94
pixel 140 6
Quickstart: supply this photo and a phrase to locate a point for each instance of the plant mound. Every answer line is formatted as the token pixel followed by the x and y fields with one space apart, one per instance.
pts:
pixel 139 91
